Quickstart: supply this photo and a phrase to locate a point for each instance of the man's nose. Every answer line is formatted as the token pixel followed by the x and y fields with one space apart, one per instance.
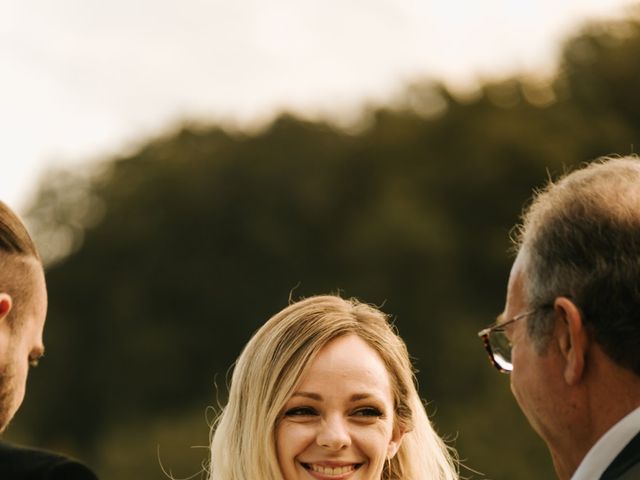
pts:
pixel 334 433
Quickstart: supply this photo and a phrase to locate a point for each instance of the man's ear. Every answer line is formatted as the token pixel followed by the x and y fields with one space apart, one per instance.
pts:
pixel 573 339
pixel 5 305
pixel 395 442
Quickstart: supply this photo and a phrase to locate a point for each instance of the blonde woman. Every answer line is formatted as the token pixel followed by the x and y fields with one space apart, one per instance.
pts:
pixel 325 390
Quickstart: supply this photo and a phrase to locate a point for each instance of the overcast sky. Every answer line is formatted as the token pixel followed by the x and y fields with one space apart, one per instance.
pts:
pixel 81 79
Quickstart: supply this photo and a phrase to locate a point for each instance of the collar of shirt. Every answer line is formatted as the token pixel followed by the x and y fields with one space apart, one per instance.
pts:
pixel 608 446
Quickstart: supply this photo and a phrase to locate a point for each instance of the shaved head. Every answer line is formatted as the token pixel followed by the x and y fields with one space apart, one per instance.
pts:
pixel 19 260
pixel 23 308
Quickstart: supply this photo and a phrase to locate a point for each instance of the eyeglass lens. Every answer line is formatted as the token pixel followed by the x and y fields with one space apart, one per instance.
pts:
pixel 501 349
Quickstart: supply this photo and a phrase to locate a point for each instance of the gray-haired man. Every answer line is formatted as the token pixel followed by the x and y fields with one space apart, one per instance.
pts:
pixel 570 331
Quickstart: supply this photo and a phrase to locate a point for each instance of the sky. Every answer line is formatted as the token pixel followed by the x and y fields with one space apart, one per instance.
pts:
pixel 82 80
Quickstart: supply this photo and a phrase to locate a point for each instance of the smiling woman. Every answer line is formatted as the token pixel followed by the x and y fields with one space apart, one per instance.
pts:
pixel 340 420
pixel 325 390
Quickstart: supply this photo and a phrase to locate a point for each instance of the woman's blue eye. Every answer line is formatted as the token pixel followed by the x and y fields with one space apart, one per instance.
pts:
pixel 300 412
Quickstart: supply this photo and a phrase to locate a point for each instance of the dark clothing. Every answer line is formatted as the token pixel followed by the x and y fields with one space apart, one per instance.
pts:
pixel 626 466
pixel 19 463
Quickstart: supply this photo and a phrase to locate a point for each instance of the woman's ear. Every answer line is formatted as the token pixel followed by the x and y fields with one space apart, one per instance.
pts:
pixel 395 442
pixel 5 305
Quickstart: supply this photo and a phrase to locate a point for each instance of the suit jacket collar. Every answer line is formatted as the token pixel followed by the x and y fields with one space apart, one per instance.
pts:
pixel 627 461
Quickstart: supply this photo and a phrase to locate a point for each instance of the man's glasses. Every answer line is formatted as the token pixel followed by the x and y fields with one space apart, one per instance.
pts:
pixel 497 343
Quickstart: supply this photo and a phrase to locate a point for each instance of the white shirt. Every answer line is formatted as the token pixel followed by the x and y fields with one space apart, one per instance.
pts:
pixel 608 447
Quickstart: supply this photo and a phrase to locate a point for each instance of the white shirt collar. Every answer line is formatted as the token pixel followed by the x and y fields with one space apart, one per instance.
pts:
pixel 608 447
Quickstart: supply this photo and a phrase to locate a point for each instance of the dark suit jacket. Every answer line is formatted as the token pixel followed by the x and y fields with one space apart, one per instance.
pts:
pixel 19 463
pixel 626 466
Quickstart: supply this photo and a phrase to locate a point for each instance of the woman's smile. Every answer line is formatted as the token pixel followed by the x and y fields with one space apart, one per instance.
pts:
pixel 339 424
pixel 332 470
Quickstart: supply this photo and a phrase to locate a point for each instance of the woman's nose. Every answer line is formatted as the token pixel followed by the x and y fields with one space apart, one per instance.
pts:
pixel 333 434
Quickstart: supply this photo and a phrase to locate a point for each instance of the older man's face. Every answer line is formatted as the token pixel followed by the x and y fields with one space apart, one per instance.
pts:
pixel 536 379
pixel 21 344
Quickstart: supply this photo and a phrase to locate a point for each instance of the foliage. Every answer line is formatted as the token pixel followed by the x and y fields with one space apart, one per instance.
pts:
pixel 167 260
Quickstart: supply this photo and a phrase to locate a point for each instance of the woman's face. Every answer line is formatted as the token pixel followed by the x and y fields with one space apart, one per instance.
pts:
pixel 339 423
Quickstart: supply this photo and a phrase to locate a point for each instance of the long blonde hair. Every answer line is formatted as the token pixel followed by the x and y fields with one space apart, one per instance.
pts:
pixel 269 369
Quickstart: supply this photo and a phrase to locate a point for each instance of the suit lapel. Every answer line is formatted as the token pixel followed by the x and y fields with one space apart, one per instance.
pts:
pixel 625 461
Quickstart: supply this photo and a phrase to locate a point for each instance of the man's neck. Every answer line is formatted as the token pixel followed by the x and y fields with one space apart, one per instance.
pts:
pixel 603 404
pixel 567 455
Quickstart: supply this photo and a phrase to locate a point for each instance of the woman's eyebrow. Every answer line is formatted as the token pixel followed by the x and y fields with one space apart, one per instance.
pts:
pixel 360 396
pixel 316 396
pixel 313 396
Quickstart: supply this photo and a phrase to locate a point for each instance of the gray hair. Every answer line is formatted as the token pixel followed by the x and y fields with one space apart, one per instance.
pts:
pixel 580 238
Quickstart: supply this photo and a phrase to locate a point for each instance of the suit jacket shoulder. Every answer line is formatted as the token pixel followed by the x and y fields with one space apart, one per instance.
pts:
pixel 20 463
pixel 626 466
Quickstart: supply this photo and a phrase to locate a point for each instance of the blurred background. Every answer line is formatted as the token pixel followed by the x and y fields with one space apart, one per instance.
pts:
pixel 186 170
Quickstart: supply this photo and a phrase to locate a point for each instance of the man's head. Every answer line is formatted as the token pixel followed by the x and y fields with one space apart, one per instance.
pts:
pixel 23 306
pixel 580 238
pixel 574 303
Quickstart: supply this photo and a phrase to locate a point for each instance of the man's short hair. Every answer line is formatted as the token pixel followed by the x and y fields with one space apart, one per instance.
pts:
pixel 581 238
pixel 14 237
pixel 17 254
